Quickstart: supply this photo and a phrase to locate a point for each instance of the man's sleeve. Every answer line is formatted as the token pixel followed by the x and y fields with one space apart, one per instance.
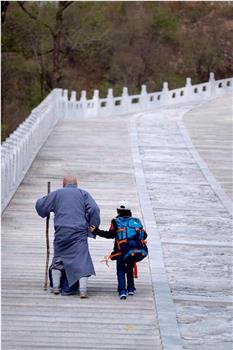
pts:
pixel 92 210
pixel 45 205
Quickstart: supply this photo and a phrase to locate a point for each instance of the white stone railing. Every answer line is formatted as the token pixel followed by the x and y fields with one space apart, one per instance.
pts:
pixel 20 149
pixel 97 107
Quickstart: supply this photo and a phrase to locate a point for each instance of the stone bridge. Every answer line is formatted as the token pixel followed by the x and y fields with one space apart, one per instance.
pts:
pixel 169 154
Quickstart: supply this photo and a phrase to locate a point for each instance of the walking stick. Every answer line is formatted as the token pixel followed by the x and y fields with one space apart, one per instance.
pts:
pixel 47 247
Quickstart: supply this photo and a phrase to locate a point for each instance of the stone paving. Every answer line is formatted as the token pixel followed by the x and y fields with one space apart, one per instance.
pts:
pixel 184 291
pixel 98 152
pixel 194 226
pixel 211 130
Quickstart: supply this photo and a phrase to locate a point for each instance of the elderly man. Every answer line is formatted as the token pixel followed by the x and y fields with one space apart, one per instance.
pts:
pixel 74 211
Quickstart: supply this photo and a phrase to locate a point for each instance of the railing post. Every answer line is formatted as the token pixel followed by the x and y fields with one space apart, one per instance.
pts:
pixel 212 85
pixel 3 175
pixel 73 96
pixel 165 94
pixel 20 142
pixel 143 98
pixel 110 102
pixel 188 90
pixel 230 88
pixel 57 103
pixel 73 103
pixel 95 101
pixel 83 103
pixel 125 99
pixel 65 103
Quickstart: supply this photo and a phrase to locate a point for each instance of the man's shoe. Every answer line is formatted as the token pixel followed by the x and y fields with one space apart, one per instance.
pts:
pixel 56 290
pixel 83 295
pixel 123 295
pixel 69 293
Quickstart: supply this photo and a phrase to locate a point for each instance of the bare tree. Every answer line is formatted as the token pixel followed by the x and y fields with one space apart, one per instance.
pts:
pixel 56 32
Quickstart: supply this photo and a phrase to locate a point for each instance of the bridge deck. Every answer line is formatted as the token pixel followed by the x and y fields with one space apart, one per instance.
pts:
pixel 211 129
pixel 98 151
pixel 193 224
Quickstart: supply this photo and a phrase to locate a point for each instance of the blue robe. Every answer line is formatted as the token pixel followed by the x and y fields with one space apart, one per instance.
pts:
pixel 74 210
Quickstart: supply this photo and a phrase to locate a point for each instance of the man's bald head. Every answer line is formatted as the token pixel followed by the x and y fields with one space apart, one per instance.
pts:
pixel 70 180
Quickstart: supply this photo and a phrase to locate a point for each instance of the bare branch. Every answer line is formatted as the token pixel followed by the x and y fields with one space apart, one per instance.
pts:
pixel 45 53
pixel 35 18
pixel 68 3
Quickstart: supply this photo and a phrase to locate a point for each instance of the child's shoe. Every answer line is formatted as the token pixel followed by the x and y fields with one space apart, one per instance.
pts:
pixel 131 291
pixel 123 295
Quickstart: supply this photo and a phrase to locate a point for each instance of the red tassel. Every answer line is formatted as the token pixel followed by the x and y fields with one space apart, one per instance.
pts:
pixel 135 270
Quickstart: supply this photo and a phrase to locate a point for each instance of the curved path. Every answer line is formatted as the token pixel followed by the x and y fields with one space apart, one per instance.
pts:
pixel 211 129
pixel 183 291
pixel 194 224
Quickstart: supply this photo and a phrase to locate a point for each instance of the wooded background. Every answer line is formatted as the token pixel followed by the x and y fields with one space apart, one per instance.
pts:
pixel 86 45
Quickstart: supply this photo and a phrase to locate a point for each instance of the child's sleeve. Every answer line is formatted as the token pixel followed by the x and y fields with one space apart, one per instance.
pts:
pixel 111 233
pixel 145 235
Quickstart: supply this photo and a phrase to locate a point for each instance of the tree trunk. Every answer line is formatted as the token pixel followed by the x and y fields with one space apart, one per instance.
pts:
pixel 57 36
pixel 57 54
pixel 4 6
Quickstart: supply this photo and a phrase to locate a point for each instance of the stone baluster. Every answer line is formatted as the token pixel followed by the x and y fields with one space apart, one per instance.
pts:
pixel 143 98
pixel 73 104
pixel 125 100
pixel 73 96
pixel 95 101
pixel 212 85
pixel 57 102
pixel 65 103
pixel 110 102
pixel 83 103
pixel 3 174
pixel 19 139
pixel 165 94
pixel 188 93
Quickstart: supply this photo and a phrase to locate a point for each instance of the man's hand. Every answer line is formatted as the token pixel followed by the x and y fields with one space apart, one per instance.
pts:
pixel 92 228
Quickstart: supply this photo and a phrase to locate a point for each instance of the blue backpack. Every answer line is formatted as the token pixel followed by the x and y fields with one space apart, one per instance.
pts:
pixel 130 238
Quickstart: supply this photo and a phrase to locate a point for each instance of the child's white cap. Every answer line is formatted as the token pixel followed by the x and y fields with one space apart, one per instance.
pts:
pixel 123 205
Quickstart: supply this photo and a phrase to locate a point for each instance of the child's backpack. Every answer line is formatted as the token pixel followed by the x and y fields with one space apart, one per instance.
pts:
pixel 130 238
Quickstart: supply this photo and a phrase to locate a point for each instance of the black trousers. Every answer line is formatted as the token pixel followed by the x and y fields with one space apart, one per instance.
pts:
pixel 125 269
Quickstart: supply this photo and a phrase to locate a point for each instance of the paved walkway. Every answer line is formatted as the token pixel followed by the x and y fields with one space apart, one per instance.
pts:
pixel 194 226
pixel 98 151
pixel 211 129
pixel 147 158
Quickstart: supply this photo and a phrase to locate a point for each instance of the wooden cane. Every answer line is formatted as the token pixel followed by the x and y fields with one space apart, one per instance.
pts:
pixel 47 246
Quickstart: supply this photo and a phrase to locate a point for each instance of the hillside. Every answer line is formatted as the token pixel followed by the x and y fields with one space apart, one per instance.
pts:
pixel 87 45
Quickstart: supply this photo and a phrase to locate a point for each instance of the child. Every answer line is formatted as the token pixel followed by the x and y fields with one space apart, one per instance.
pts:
pixel 129 247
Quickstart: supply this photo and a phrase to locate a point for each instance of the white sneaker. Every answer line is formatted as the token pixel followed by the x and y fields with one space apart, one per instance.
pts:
pixel 123 295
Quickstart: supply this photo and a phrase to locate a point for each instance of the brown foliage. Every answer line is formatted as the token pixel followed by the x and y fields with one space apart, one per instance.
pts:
pixel 109 44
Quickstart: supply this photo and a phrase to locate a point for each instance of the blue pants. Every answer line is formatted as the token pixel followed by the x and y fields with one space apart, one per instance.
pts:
pixel 123 269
